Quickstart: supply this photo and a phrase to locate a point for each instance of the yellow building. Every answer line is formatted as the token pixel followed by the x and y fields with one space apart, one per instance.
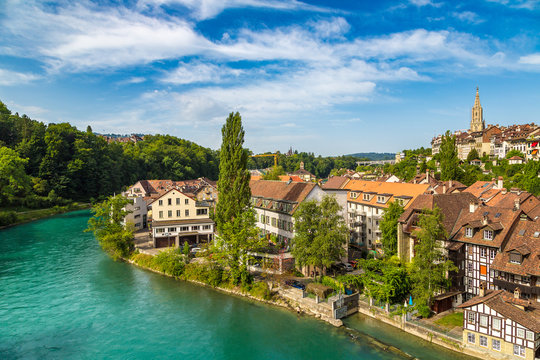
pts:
pixel 177 217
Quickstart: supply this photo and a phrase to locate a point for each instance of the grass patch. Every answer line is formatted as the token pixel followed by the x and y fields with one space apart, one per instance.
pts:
pixel 451 320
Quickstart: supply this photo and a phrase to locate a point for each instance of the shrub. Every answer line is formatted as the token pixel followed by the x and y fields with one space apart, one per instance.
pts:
pixel 169 262
pixel 7 217
pixel 144 260
pixel 261 290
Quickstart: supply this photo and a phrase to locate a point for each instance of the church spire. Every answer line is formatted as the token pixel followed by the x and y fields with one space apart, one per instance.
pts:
pixel 477 100
pixel 477 118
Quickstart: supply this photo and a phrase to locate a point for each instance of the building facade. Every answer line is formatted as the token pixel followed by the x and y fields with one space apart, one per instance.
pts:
pixel 502 324
pixel 177 218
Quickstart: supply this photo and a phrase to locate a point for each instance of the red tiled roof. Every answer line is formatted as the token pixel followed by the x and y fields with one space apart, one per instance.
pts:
pixel 294 192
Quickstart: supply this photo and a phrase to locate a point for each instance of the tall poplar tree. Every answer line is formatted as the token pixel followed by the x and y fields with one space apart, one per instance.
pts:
pixel 449 158
pixel 430 268
pixel 388 228
pixel 234 217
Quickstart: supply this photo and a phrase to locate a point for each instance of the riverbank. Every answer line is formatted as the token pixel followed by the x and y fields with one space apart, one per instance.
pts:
pixel 22 217
pixel 279 299
pixel 261 291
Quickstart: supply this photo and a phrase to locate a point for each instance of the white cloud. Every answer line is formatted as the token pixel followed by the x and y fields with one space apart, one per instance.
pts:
pixel 78 37
pixel 519 4
pixel 421 3
pixel 532 59
pixel 207 9
pixel 468 16
pixel 8 77
pixel 188 73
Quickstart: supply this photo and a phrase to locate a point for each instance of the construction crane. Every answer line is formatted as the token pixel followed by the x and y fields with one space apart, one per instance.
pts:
pixel 274 155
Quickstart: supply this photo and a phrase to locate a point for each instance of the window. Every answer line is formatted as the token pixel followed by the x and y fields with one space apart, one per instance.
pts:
pixel 483 270
pixel 496 324
pixel 169 201
pixel 468 232
pixel 483 341
pixel 184 228
pixel 138 225
pixel 470 282
pixel 169 213
pixel 483 321
pixel 173 229
pixel 177 201
pixel 160 230
pixel 186 201
pixel 488 234
pixel 470 338
pixel 496 344
pixel 381 199
pixel 177 213
pixel 161 214
pixel 195 228
pixel 366 197
pixel 492 253
pixel 530 335
pixel 207 227
pixel 274 222
pixel 519 350
pixel 137 216
pixel 520 333
pixel 202 211
pixel 470 317
pixel 483 252
pixel 515 258
pixel 187 212
pixel 160 202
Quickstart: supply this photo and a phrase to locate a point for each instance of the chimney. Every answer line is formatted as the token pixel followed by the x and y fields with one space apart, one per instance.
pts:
pixel 517 293
pixel 427 175
pixel 473 206
pixel 503 191
pixel 484 220
pixel 301 165
pixel 500 183
pixel 482 290
pixel 516 204
pixel 444 189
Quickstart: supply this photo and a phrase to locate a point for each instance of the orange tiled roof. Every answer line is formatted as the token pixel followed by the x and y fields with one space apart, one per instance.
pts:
pixel 389 189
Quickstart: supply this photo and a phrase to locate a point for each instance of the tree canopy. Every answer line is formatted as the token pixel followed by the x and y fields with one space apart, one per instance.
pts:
pixel 320 233
pixel 388 227
pixel 449 158
pixel 429 267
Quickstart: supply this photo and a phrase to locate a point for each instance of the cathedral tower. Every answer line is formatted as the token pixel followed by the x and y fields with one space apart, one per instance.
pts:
pixel 477 119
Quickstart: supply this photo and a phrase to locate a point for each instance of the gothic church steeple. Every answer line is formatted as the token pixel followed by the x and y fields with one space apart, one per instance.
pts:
pixel 477 118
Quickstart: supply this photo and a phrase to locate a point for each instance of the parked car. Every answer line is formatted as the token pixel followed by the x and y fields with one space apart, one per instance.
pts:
pixel 295 284
pixel 195 250
pixel 348 267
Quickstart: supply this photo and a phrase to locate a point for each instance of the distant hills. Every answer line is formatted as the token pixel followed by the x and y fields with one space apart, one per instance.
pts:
pixel 374 156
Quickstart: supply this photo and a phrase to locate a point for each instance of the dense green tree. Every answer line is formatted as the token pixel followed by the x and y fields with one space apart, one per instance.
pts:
pixel 106 224
pixel 429 267
pixel 388 226
pixel 274 173
pixel 449 158
pixel 385 280
pixel 13 179
pixel 320 233
pixel 473 155
pixel 513 153
pixel 234 217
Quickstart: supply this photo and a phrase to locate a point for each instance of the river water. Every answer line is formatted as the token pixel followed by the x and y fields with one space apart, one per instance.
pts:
pixel 61 297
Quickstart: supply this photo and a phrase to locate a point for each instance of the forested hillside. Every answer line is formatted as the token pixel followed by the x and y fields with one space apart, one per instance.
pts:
pixel 43 165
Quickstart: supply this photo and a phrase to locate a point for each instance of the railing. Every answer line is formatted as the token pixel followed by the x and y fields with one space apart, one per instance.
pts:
pixel 511 286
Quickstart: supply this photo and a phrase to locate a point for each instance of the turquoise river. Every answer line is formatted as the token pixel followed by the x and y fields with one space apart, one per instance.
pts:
pixel 61 297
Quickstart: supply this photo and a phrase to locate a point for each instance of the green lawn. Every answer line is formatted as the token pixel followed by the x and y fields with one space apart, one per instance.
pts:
pixel 451 320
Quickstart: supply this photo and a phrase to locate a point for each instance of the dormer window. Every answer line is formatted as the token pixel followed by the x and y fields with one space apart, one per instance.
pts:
pixel 515 258
pixel 381 199
pixel 488 234
pixel 468 232
pixel 366 197
pixel 354 195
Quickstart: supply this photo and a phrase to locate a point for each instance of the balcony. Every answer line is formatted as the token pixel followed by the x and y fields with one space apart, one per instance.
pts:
pixel 203 203
pixel 511 286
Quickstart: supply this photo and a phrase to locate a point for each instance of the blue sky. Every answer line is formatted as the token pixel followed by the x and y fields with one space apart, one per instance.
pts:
pixel 330 77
